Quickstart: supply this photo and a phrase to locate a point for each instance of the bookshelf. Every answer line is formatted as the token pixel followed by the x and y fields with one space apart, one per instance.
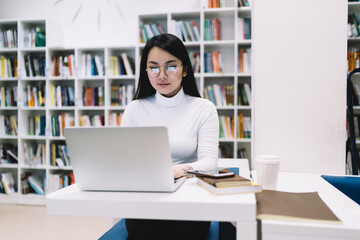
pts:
pixel 232 40
pixel 353 52
pixel 59 82
pixel 70 91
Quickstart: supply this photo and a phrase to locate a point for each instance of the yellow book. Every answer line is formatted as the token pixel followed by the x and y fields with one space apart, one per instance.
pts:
pixel 81 121
pixel 241 125
pixel 15 67
pixel 52 92
pixel 53 154
pixel 2 66
pixel 13 124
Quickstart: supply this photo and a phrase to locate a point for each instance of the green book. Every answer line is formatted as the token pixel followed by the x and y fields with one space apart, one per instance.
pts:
pixel 40 40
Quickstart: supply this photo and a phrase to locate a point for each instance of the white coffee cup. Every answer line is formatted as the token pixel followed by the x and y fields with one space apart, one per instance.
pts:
pixel 267 170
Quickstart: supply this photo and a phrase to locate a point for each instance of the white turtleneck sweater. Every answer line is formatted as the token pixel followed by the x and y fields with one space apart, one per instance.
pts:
pixel 192 123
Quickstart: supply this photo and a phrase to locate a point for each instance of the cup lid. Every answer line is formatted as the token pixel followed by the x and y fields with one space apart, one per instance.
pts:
pixel 267 159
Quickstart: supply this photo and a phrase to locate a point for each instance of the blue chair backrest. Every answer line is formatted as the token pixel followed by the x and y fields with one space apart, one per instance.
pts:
pixel 349 185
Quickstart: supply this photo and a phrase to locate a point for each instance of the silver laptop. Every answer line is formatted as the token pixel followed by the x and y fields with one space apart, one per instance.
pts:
pixel 121 159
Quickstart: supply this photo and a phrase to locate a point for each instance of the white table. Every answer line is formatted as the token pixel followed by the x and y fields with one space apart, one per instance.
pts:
pixel 343 207
pixel 190 202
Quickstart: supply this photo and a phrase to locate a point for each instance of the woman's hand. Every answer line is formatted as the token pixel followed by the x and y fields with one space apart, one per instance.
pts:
pixel 180 170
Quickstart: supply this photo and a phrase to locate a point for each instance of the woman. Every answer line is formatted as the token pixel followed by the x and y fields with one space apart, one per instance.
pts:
pixel 167 95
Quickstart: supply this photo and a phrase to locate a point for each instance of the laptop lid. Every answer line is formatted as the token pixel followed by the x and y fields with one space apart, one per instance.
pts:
pixel 121 158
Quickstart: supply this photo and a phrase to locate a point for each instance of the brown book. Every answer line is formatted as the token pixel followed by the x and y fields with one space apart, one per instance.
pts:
pixel 308 206
pixel 234 180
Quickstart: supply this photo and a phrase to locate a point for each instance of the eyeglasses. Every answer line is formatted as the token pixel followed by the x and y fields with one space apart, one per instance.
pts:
pixel 169 70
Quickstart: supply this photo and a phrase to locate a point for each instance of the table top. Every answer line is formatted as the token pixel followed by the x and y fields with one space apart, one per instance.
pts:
pixel 343 207
pixel 189 202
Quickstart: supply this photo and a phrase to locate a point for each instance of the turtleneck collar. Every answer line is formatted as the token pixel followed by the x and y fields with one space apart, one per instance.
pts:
pixel 172 101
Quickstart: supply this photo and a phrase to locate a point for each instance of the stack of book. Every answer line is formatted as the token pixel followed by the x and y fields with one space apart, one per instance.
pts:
pixel 7 183
pixel 8 125
pixel 228 185
pixel 59 155
pixel 63 66
pixel 34 95
pixel 8 96
pixel 8 38
pixel 147 31
pixel 121 65
pixel 35 66
pixel 8 66
pixel 213 62
pixel 186 30
pixel 92 65
pixel 212 29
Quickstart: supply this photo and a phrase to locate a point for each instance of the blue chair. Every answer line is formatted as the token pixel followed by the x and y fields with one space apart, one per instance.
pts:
pixel 119 232
pixel 349 185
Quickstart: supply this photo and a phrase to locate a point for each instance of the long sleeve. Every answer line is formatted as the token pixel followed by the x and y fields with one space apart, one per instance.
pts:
pixel 208 143
pixel 192 124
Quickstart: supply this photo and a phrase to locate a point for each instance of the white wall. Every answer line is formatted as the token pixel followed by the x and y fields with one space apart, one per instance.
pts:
pixel 115 28
pixel 299 50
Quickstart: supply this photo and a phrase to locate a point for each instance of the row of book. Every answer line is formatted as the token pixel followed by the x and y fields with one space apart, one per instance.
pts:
pixel 244 28
pixel 225 150
pixel 187 31
pixel 7 183
pixel 35 65
pixel 195 60
pixel 244 94
pixel 93 96
pixel 59 155
pixel 244 3
pixel 227 126
pixel 92 65
pixel 244 126
pixel 8 96
pixel 31 183
pixel 8 153
pixel 213 62
pixel 220 95
pixel 34 153
pixel 8 66
pixel 34 96
pixel 121 65
pixel 8 125
pixel 36 125
pixel 62 96
pixel 88 121
pixel 115 119
pixel 212 29
pixel 35 37
pixel 353 29
pixel 121 95
pixel 8 38
pixel 244 60
pixel 62 65
pixel 147 31
pixel 353 57
pixel 215 3
pixel 59 122
pixel 58 181
pixel 223 95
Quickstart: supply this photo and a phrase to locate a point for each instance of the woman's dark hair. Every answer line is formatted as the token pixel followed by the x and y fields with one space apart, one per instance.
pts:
pixel 175 47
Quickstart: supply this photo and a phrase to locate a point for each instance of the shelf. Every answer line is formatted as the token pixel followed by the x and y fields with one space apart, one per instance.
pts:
pixel 8 50
pixel 8 79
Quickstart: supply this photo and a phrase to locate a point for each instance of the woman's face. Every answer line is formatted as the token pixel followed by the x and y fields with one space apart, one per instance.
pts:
pixel 165 72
